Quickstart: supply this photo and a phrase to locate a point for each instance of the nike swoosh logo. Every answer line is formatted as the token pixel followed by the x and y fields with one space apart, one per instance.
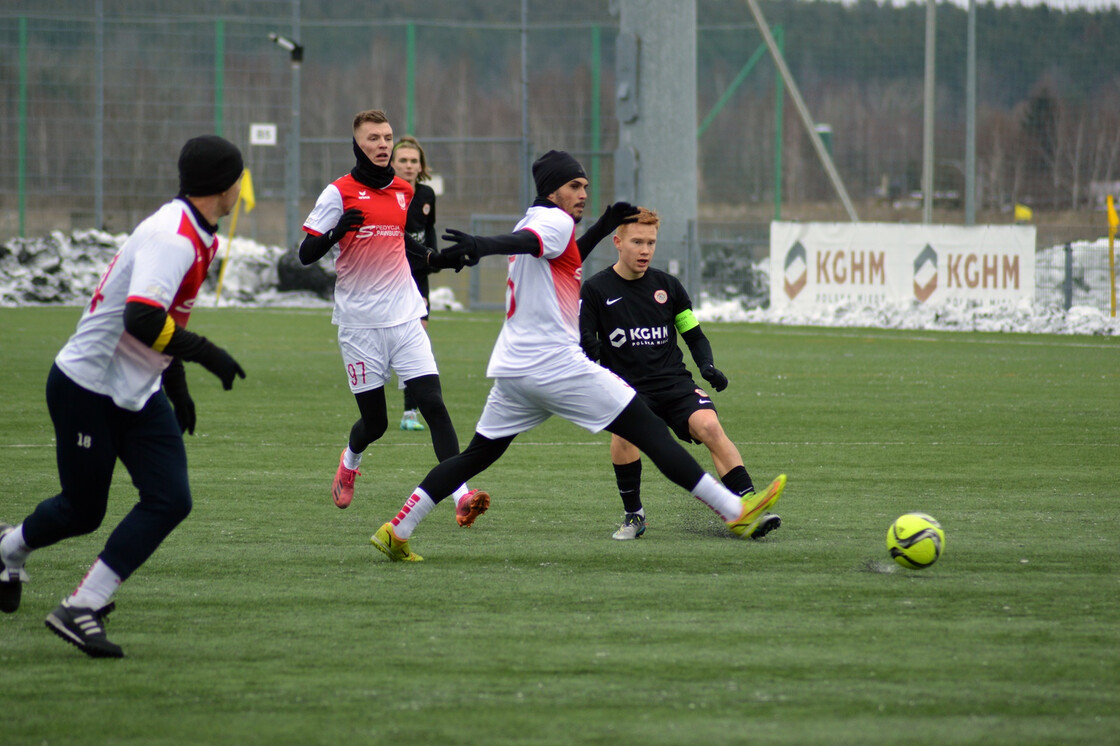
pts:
pixel 612 301
pixel 703 401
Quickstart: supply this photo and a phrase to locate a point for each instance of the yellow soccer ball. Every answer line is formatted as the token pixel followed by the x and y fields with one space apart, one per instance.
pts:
pixel 915 540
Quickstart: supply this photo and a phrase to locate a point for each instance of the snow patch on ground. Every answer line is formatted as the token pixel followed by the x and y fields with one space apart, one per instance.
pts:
pixel 63 269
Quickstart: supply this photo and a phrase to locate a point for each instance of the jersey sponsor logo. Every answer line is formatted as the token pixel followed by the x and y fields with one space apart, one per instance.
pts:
pixel 661 296
pixel 612 301
pixel 402 201
pixel 642 336
pixel 185 307
pixel 371 231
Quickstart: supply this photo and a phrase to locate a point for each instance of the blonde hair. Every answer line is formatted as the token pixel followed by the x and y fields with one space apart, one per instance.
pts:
pixel 645 217
pixel 408 141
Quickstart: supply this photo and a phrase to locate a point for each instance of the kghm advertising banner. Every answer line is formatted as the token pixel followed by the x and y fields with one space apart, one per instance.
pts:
pixel 828 263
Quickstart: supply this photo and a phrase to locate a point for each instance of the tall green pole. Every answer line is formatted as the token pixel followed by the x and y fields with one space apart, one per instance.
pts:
pixel 21 148
pixel 596 80
pixel 219 75
pixel 410 79
pixel 779 100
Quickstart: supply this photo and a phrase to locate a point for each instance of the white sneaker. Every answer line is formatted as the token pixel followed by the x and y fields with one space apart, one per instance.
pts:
pixel 633 526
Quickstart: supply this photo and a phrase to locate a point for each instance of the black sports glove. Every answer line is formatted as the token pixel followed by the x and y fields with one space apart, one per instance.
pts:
pixel 219 362
pixel 175 387
pixel 614 216
pixel 714 376
pixel 351 220
pixel 618 214
pixel 441 260
pixel 463 251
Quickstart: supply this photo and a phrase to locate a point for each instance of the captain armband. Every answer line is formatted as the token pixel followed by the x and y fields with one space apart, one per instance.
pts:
pixel 685 320
pixel 165 334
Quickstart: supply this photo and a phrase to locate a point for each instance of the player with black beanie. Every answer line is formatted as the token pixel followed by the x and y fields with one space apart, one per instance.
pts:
pixel 539 369
pixel 105 397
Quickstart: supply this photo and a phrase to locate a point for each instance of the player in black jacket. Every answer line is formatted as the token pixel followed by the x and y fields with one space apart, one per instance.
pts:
pixel 630 314
pixel 411 165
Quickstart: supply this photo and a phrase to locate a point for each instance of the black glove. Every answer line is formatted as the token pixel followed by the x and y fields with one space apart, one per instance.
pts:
pixel 464 249
pixel 618 214
pixel 441 260
pixel 218 361
pixel 351 220
pixel 175 387
pixel 714 376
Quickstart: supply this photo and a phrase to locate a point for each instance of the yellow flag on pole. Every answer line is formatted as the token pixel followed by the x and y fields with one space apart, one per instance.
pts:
pixel 247 194
pixel 1023 213
pixel 1113 218
pixel 249 199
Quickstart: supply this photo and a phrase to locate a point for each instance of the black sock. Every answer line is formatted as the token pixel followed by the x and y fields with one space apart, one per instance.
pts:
pixel 629 478
pixel 738 481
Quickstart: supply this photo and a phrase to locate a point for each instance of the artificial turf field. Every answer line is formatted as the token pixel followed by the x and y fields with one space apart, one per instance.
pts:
pixel 267 618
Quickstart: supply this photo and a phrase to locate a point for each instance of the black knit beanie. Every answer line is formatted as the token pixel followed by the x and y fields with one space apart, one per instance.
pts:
pixel 553 170
pixel 208 165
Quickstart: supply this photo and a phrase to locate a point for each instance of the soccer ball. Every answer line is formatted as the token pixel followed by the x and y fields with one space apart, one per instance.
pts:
pixel 915 540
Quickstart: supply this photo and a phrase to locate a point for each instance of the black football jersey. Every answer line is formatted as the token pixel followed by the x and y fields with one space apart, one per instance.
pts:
pixel 632 322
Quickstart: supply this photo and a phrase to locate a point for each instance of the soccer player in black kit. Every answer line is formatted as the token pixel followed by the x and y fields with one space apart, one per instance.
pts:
pixel 630 314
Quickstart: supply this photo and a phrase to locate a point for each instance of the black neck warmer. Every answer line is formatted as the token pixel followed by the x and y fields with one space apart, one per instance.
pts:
pixel 374 177
pixel 212 229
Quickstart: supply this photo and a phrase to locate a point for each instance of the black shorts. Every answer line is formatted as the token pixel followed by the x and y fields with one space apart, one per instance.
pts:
pixel 676 402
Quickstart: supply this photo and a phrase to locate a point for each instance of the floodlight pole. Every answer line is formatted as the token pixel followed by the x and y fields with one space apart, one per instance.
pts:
pixel 291 181
pixel 927 131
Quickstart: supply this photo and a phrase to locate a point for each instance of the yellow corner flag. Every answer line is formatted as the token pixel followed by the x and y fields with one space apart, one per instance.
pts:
pixel 250 201
pixel 1023 213
pixel 1113 222
pixel 247 194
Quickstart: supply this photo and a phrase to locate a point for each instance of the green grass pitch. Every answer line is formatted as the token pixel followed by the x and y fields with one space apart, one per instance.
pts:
pixel 267 618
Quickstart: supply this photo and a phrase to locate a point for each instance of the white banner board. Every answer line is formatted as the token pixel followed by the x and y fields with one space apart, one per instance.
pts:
pixel 827 263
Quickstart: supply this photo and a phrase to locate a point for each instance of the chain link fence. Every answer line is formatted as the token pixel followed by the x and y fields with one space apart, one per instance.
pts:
pixel 97 98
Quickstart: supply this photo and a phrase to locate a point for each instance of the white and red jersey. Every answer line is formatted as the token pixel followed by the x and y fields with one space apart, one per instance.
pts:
pixel 163 263
pixel 542 300
pixel 374 287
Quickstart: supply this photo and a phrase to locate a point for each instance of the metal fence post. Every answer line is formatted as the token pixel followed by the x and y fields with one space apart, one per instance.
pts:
pixel 1067 283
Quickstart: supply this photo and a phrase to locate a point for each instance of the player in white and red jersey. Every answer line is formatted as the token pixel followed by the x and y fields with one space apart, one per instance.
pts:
pixel 105 399
pixel 540 370
pixel 377 306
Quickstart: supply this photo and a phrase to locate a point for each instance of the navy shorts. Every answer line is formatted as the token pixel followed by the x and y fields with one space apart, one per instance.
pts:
pixel 675 403
pixel 91 433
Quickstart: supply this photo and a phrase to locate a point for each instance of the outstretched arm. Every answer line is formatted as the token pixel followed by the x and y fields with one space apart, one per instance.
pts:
pixel 469 249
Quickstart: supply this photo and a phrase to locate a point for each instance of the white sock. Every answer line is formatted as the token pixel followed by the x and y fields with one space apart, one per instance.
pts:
pixel 351 460
pixel 13 549
pixel 412 512
pixel 97 588
pixel 460 493
pixel 717 497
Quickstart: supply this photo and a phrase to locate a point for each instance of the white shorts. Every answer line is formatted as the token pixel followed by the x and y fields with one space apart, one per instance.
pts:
pixel 581 392
pixel 370 355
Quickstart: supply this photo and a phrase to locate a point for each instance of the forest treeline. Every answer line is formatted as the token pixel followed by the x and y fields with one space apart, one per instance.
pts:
pixel 1048 111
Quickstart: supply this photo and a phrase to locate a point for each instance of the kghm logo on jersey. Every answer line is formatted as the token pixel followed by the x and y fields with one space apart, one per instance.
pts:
pixel 401 201
pixel 643 336
pixel 660 296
